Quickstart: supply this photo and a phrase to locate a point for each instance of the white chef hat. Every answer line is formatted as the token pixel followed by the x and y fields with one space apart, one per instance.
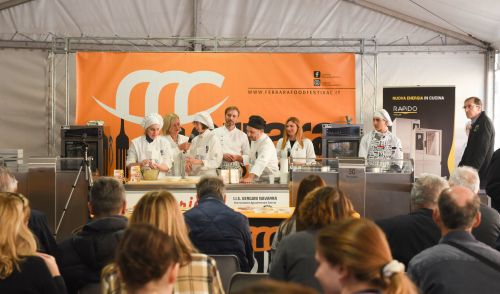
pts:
pixel 204 118
pixel 383 114
pixel 152 119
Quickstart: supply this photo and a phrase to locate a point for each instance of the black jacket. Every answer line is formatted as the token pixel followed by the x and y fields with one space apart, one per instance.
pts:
pixel 82 257
pixel 32 277
pixel 215 228
pixel 410 234
pixel 479 149
pixel 493 180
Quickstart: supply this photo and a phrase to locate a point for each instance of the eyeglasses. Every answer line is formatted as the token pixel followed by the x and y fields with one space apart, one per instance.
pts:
pixel 470 106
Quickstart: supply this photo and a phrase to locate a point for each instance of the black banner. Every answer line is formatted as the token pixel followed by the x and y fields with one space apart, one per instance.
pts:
pixel 434 107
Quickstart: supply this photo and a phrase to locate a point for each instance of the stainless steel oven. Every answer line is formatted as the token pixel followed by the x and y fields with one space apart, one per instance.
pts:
pixel 340 140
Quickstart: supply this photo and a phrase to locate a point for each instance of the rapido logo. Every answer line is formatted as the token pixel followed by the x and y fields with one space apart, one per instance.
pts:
pixel 405 109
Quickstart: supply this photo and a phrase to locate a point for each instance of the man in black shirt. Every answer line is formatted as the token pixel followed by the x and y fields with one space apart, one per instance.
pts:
pixel 82 257
pixel 479 149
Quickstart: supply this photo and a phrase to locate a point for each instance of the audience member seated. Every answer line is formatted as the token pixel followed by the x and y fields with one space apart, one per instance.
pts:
pixel 38 222
pixel 294 259
pixel 198 272
pixel 82 257
pixel 459 263
pixel 488 230
pixel 215 228
pixel 147 260
pixel 268 286
pixel 22 269
pixel 353 257
pixel 409 234
pixel 289 226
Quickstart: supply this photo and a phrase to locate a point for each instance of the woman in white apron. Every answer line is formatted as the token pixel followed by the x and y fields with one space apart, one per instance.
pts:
pixel 151 150
pixel 381 143
pixel 294 145
pixel 205 153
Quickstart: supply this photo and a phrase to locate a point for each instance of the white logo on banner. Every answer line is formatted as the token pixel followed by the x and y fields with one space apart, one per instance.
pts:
pixel 157 81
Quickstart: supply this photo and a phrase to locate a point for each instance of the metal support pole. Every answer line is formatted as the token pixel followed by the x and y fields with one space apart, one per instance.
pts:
pixel 66 52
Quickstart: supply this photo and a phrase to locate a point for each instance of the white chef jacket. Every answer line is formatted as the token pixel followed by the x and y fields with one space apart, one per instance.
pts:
pixel 262 158
pixel 206 147
pixel 158 151
pixel 297 151
pixel 376 145
pixel 174 146
pixel 234 142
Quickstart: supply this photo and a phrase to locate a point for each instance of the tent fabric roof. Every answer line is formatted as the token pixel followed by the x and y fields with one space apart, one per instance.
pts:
pixel 38 20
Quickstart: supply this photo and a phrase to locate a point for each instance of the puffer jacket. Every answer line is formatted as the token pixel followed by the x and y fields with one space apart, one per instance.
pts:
pixel 82 257
pixel 215 228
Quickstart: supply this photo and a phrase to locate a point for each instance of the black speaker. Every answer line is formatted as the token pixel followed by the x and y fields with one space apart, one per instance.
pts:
pixel 73 140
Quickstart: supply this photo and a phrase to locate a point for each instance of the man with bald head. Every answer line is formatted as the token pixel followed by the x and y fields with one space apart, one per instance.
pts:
pixel 459 263
pixel 488 230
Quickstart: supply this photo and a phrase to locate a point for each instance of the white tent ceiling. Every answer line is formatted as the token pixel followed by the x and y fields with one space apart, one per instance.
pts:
pixel 389 22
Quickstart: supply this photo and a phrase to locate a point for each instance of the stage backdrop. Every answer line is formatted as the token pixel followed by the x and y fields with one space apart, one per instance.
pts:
pixel 434 108
pixel 316 88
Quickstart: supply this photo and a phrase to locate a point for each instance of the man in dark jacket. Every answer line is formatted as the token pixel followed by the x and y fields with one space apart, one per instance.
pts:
pixel 493 181
pixel 82 257
pixel 410 234
pixel 479 149
pixel 215 228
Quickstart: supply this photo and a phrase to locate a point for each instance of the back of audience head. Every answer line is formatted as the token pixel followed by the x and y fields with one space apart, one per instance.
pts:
pixel 107 197
pixel 211 186
pixel 147 259
pixel 160 209
pixel 16 240
pixel 323 206
pixel 8 182
pixel 354 253
pixel 307 184
pixel 458 209
pixel 465 176
pixel 426 189
pixel 268 286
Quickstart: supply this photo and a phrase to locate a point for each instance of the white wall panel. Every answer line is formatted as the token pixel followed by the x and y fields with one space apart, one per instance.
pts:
pixel 462 70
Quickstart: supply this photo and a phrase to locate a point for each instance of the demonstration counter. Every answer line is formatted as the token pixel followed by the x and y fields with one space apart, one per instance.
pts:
pixel 255 195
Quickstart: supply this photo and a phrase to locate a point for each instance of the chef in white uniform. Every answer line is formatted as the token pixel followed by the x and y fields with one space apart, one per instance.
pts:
pixel 205 153
pixel 151 149
pixel 234 142
pixel 178 143
pixel 381 143
pixel 294 145
pixel 262 157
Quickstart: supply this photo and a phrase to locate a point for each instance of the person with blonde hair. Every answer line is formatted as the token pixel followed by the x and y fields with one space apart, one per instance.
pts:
pixel 178 142
pixel 198 272
pixel 294 145
pixel 294 260
pixel 353 256
pixel 22 269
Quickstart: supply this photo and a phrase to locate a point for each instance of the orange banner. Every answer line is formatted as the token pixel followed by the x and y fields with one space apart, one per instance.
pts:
pixel 314 87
